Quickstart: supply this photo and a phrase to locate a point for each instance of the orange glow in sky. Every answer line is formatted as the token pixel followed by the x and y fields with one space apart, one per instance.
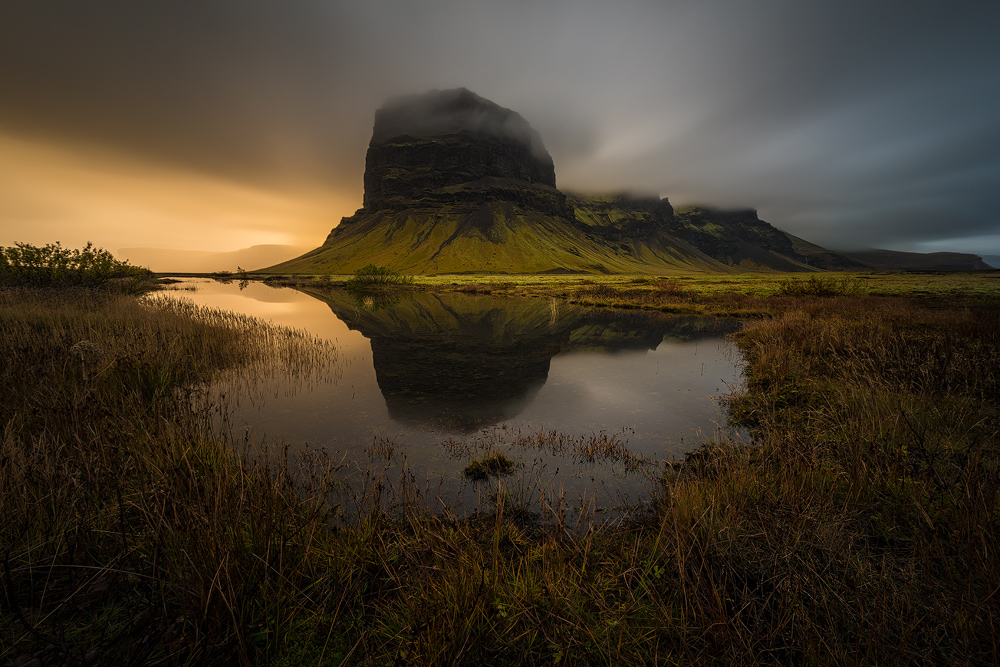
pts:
pixel 216 126
pixel 50 193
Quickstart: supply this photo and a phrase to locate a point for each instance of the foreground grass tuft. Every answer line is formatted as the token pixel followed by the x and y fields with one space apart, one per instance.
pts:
pixel 493 465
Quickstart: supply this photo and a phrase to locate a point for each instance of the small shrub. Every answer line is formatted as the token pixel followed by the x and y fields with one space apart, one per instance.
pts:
pixel 377 277
pixel 224 277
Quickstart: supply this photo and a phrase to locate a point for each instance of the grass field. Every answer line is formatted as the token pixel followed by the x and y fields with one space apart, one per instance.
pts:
pixel 857 527
pixel 724 294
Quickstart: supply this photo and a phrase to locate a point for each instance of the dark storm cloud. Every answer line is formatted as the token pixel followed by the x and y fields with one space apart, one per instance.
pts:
pixel 224 86
pixel 848 123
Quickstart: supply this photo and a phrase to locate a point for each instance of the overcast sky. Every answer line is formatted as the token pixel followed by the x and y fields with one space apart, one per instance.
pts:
pixel 220 124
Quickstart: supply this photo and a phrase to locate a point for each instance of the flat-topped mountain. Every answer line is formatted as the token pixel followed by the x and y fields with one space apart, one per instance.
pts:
pixel 450 146
pixel 455 183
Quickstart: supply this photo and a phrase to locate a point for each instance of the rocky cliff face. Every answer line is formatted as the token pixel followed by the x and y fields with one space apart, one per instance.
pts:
pixel 621 215
pixel 454 147
pixel 737 238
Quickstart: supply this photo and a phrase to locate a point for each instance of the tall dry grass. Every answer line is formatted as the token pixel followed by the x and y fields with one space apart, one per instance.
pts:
pixel 879 422
pixel 135 532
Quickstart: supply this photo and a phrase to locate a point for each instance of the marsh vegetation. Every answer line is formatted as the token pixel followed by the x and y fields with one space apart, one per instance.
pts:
pixel 52 265
pixel 859 527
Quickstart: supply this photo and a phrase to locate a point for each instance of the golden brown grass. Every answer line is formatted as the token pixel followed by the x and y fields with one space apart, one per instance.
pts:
pixel 133 533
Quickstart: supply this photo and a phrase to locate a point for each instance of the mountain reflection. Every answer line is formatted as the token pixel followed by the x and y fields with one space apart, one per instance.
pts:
pixel 461 362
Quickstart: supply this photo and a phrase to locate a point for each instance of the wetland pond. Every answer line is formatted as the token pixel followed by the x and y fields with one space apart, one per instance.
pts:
pixel 425 383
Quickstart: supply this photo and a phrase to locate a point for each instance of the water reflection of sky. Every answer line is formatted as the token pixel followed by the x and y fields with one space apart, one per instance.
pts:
pixel 542 366
pixel 666 396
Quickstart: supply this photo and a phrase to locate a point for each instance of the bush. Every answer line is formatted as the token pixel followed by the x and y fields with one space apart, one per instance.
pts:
pixel 26 265
pixel 378 277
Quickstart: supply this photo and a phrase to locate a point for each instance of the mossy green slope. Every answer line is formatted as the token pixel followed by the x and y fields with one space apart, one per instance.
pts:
pixel 733 238
pixel 494 237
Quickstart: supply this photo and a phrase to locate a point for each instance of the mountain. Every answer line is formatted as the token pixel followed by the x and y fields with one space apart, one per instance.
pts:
pixel 453 147
pixel 735 238
pixel 893 260
pixel 164 260
pixel 455 183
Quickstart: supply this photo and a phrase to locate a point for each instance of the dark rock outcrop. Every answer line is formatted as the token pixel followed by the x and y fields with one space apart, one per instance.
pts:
pixel 622 215
pixel 454 147
pixel 736 237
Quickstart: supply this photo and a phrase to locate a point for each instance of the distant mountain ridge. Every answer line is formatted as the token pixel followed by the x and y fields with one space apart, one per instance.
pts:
pixel 455 183
pixel 735 238
pixel 894 260
pixel 165 260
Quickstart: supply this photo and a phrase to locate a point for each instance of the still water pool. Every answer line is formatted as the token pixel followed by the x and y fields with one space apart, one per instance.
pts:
pixel 439 378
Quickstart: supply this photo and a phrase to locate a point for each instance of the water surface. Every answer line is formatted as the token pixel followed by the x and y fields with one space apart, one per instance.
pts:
pixel 426 369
